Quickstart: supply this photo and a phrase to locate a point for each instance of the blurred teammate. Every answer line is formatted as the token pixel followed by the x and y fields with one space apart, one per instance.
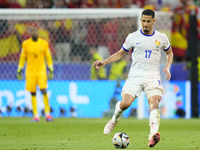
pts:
pixel 96 74
pixel 119 70
pixel 35 51
pixel 144 73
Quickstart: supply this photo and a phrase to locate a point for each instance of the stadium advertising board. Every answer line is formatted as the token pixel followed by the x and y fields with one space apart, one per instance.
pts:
pixel 91 99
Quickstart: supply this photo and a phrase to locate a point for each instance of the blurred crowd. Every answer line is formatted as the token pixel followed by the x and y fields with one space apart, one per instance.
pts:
pixel 85 3
pixel 69 39
pixel 165 5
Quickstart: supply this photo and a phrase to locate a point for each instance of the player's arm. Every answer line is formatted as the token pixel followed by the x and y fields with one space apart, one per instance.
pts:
pixel 22 60
pixel 169 56
pixel 49 62
pixel 48 57
pixel 21 64
pixel 115 57
pixel 50 65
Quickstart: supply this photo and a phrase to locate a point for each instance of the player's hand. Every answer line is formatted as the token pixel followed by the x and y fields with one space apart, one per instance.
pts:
pixel 167 71
pixel 19 74
pixel 98 64
pixel 51 73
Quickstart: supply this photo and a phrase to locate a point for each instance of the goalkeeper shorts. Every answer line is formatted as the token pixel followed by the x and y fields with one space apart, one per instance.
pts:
pixel 33 80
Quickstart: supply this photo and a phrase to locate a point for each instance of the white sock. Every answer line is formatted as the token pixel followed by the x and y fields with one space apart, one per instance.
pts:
pixel 37 116
pixel 117 112
pixel 154 121
pixel 47 114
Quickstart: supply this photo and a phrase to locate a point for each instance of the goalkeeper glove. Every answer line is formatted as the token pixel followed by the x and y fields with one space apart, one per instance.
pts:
pixel 51 73
pixel 19 74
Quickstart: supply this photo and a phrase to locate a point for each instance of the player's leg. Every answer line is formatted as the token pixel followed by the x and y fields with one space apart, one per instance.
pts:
pixel 31 85
pixel 127 100
pixel 34 105
pixel 46 105
pixel 46 102
pixel 129 92
pixel 154 120
pixel 42 82
pixel 154 97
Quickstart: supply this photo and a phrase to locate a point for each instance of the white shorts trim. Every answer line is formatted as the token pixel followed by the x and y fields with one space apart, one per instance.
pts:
pixel 153 92
pixel 148 93
pixel 128 91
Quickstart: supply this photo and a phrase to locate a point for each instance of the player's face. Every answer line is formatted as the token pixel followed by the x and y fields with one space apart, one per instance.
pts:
pixel 34 32
pixel 147 24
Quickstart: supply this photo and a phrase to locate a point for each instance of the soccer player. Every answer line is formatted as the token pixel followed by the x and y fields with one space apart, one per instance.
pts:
pixel 144 73
pixel 35 51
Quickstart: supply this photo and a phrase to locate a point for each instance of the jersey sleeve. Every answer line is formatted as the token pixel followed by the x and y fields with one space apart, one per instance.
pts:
pixel 128 45
pixel 22 59
pixel 166 44
pixel 48 56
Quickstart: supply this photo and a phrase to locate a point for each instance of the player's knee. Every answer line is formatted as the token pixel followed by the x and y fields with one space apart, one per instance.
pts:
pixel 44 91
pixel 127 100
pixel 33 94
pixel 153 106
pixel 154 102
pixel 124 106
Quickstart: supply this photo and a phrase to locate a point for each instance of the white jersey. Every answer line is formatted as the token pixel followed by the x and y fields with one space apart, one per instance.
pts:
pixel 146 52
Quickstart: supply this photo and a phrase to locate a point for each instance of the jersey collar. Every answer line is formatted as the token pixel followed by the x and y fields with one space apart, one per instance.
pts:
pixel 147 35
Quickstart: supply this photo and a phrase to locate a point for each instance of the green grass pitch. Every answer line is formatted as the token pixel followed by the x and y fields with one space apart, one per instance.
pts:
pixel 87 134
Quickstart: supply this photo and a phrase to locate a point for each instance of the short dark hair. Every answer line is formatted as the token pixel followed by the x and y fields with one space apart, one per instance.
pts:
pixel 148 12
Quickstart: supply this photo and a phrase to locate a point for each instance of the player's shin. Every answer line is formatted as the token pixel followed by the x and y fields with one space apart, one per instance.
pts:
pixel 34 105
pixel 154 121
pixel 46 104
pixel 118 112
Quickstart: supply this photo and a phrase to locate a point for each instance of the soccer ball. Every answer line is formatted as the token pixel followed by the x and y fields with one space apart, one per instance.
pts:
pixel 120 140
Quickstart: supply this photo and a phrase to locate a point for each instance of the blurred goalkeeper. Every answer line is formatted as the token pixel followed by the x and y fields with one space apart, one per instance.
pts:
pixel 35 51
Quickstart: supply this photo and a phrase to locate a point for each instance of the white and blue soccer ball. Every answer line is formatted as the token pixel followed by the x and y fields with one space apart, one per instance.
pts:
pixel 120 140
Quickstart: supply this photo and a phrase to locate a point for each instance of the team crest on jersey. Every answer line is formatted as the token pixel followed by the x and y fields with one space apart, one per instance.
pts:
pixel 157 43
pixel 160 82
